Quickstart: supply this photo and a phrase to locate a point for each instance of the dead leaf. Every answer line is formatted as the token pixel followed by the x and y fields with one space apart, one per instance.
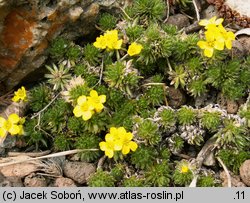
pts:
pixel 245 31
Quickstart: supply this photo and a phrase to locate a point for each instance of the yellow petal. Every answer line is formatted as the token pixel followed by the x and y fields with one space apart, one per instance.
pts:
pixel 228 44
pixel 121 130
pixel 219 21
pixel 118 44
pixel 15 99
pixel 2 132
pixel 118 145
pixel 81 100
pixel 209 52
pixel 219 44
pixel 202 44
pixel 133 146
pixel 129 136
pixel 2 121
pixel 93 93
pixel 14 118
pixel 21 131
pixel 113 130
pixel 203 22
pixel 230 35
pixel 109 153
pixel 98 107
pixel 109 137
pixel 14 130
pixel 103 146
pixel 86 115
pixel 102 98
pixel 77 111
pixel 125 149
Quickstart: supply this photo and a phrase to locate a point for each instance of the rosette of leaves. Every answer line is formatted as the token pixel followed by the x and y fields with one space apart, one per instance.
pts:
pixel 134 32
pixel 101 179
pixel 58 77
pixel 167 119
pixel 233 134
pixel 121 76
pixel 158 175
pixel 233 158
pixel 211 120
pixel 147 10
pixel 34 136
pixel 175 143
pixel 178 76
pixel 123 114
pixel 183 174
pixel 97 123
pixel 206 181
pixel 118 172
pixel 156 45
pixel 88 141
pixel 133 181
pixel 107 21
pixel 197 86
pixel 40 96
pixel 91 55
pixel 155 90
pixel 58 48
pixel 184 47
pixel 186 115
pixel 62 142
pixel 143 157
pixel 149 131
pixel 55 117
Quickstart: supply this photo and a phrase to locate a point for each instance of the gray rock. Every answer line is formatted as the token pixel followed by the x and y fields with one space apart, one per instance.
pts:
pixel 78 171
pixel 179 20
pixel 28 26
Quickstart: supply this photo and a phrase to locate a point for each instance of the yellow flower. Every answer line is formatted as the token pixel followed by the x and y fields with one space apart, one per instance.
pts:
pixel 228 36
pixel 184 169
pixel 108 41
pixel 118 140
pixel 134 49
pixel 213 41
pixel 95 101
pixel 127 143
pixel 211 22
pixel 83 108
pixel 110 145
pixel 112 40
pixel 13 125
pixel 100 42
pixel 20 94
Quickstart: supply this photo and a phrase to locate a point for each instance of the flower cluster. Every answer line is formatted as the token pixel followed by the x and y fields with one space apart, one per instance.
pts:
pixel 217 37
pixel 88 105
pixel 20 95
pixel 13 125
pixel 118 140
pixel 108 41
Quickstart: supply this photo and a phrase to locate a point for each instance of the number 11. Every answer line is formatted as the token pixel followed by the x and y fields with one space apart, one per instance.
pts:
pixel 240 195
